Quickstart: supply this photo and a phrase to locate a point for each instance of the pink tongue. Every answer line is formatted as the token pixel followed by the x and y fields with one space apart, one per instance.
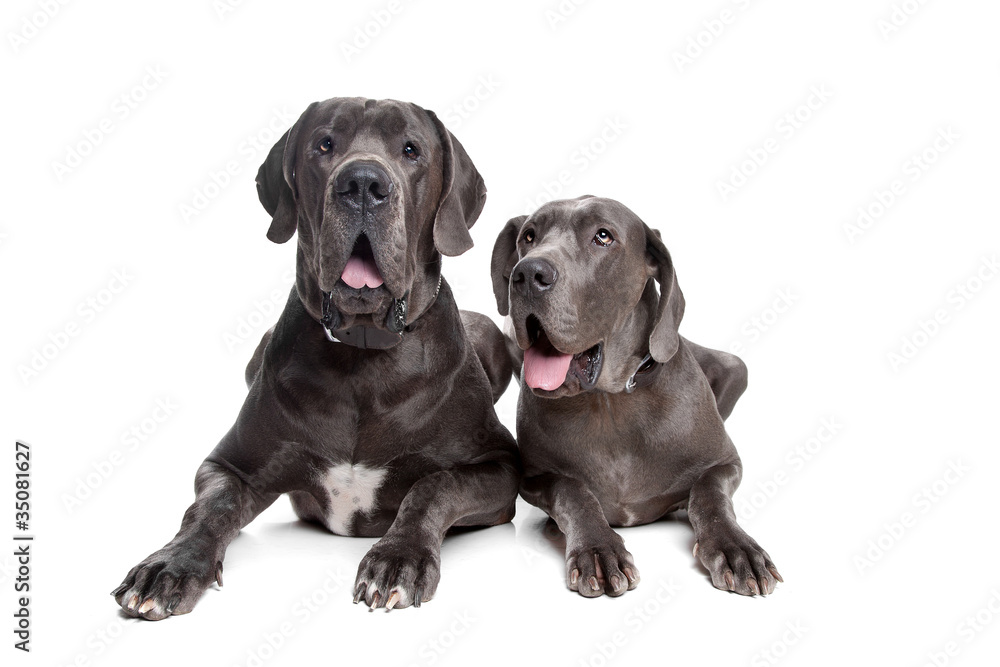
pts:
pixel 361 272
pixel 545 368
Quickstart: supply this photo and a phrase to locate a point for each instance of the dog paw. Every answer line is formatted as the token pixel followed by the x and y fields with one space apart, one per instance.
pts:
pixel 737 563
pixel 601 567
pixel 398 573
pixel 169 582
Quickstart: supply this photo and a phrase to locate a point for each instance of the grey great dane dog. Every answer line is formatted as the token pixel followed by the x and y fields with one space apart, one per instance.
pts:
pixel 620 419
pixel 371 400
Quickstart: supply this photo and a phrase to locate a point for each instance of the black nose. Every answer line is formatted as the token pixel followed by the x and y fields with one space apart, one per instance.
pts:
pixel 533 275
pixel 363 184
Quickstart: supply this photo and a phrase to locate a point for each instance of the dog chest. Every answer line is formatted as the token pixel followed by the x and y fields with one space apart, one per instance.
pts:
pixel 351 488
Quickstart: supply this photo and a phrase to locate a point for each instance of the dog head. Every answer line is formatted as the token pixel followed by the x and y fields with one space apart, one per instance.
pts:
pixel 577 279
pixel 378 190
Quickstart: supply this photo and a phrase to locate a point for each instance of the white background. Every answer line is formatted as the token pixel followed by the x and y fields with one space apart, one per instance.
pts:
pixel 554 87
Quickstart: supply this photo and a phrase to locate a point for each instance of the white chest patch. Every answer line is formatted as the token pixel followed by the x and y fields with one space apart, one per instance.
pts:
pixel 351 489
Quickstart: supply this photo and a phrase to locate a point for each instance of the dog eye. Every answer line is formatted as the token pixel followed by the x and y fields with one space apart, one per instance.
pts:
pixel 411 151
pixel 325 145
pixel 603 237
pixel 529 236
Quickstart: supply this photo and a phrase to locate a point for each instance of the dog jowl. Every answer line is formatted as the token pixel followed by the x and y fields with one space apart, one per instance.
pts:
pixel 371 400
pixel 620 419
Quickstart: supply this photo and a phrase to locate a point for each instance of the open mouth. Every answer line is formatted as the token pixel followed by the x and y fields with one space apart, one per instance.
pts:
pixel 546 368
pixel 361 269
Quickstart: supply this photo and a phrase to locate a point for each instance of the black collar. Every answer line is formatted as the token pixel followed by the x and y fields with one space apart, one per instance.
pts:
pixel 366 337
pixel 644 375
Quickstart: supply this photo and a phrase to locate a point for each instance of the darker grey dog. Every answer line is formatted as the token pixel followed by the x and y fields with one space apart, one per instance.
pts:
pixel 620 420
pixel 370 402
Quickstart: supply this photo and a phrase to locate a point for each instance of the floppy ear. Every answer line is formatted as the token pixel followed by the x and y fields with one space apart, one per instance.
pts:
pixel 276 183
pixel 664 339
pixel 463 195
pixel 504 259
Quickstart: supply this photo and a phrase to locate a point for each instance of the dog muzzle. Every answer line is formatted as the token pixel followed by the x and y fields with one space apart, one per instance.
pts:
pixel 363 336
pixel 367 337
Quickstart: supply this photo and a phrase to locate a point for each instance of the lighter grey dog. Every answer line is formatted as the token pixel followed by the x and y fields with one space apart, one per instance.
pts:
pixel 620 419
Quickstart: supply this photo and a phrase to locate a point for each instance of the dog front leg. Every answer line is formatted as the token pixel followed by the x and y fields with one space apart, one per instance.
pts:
pixel 171 580
pixel 596 559
pixel 403 568
pixel 735 561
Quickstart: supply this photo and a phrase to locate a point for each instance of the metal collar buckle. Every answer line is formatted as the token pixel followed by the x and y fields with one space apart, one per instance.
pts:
pixel 642 374
pixel 368 337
